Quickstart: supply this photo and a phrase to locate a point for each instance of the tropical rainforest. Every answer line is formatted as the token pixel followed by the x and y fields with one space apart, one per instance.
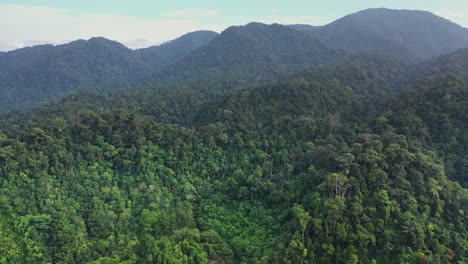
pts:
pixel 263 144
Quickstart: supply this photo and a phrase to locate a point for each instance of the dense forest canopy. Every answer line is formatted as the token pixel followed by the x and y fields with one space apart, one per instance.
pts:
pixel 316 154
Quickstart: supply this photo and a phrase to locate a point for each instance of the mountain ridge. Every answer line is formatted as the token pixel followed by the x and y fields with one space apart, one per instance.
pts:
pixel 46 72
pixel 252 53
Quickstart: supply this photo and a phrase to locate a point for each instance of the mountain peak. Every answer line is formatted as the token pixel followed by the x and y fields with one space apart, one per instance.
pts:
pixel 406 33
pixel 193 37
pixel 399 16
pixel 390 10
pixel 256 24
pixel 238 28
pixel 94 42
pixel 101 41
pixel 172 51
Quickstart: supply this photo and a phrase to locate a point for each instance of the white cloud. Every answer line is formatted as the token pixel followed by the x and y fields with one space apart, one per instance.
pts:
pixel 23 25
pixel 459 16
pixel 27 25
pixel 17 44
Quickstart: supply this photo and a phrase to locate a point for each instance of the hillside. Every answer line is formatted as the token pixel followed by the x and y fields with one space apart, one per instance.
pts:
pixel 405 33
pixel 295 172
pixel 346 143
pixel 31 75
pixel 168 53
pixel 241 55
pixel 455 63
pixel 255 53
pixel 435 112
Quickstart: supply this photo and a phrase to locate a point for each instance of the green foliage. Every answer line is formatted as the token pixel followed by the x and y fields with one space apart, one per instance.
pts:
pixel 324 168
pixel 33 75
pixel 240 55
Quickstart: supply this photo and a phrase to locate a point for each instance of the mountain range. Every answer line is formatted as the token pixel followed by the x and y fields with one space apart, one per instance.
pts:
pixel 241 54
pixel 345 143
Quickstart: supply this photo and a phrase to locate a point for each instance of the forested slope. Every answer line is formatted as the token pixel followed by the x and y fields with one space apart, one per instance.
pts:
pixel 328 167
pixel 32 75
pixel 409 34
pixel 240 56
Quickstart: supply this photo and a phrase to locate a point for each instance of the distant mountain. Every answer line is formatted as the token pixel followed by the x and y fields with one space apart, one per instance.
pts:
pixel 261 53
pixel 405 33
pixel 31 75
pixel 253 53
pixel 171 51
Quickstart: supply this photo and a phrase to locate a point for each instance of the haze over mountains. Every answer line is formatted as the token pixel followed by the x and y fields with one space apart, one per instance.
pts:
pixel 257 52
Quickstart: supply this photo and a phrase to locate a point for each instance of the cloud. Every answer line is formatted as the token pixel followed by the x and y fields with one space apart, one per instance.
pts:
pixel 27 25
pixel 459 16
pixel 23 25
pixel 17 44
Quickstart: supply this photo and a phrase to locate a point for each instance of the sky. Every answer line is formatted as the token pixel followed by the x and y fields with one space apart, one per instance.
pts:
pixel 143 23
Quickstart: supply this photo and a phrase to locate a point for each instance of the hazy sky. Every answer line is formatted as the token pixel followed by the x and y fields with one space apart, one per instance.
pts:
pixel 141 23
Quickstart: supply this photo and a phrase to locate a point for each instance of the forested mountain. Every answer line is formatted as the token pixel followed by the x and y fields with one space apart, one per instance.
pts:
pixel 404 33
pixel 263 144
pixel 262 53
pixel 31 75
pixel 168 53
pixel 254 53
